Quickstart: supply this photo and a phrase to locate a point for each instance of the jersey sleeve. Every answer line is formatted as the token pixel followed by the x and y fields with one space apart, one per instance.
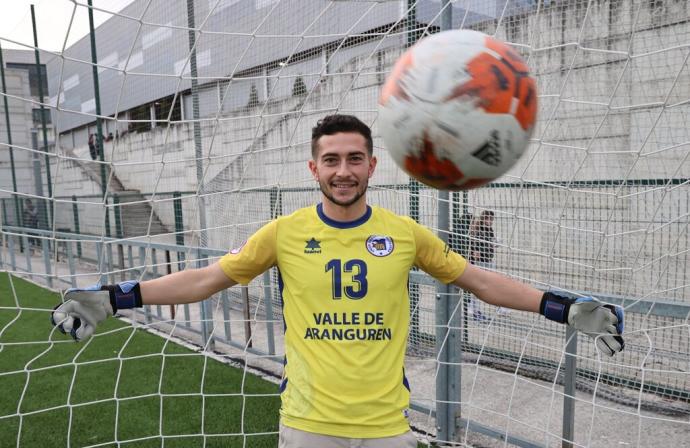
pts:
pixel 435 257
pixel 258 254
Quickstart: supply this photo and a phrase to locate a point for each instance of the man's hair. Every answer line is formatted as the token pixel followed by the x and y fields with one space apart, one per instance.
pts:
pixel 332 124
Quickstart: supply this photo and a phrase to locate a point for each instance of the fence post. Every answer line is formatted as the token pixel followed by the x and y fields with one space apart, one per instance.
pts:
pixel 13 256
pixel 5 221
pixel 27 253
pixel 3 237
pixel 449 345
pixel 20 222
pixel 179 240
pixel 569 386
pixel 247 316
pixel 459 242
pixel 101 262
pixel 268 298
pixel 276 201
pixel 448 317
pixel 45 244
pixel 168 270
pixel 70 263
pixel 226 314
pixel 142 277
pixel 75 214
pixel 179 227
pixel 154 270
pixel 108 245
pixel 119 235
pixel 206 309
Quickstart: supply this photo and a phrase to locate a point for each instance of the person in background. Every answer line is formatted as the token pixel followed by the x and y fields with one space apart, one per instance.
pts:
pixel 482 243
pixel 30 219
pixel 93 151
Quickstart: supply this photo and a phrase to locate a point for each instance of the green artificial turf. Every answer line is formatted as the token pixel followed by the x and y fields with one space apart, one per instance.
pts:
pixel 124 385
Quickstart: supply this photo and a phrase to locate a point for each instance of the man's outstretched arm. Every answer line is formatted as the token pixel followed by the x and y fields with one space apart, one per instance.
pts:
pixel 499 290
pixel 188 286
pixel 84 308
pixel 602 321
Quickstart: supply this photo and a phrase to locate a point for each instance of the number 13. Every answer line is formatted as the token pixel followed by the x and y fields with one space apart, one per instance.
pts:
pixel 358 268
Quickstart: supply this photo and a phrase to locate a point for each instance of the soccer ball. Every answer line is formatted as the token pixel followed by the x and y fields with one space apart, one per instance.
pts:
pixel 458 109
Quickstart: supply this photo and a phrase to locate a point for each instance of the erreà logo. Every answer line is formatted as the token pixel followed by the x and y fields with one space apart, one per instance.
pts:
pixel 313 246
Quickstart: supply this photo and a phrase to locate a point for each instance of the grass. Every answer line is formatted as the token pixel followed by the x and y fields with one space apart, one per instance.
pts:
pixel 123 385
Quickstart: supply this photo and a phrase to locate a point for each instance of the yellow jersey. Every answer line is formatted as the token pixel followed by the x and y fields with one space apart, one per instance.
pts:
pixel 346 312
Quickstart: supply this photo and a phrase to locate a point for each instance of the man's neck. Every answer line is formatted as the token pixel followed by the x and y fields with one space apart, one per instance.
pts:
pixel 344 213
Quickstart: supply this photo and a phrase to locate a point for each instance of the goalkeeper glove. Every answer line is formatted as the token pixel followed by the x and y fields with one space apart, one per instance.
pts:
pixel 601 321
pixel 84 308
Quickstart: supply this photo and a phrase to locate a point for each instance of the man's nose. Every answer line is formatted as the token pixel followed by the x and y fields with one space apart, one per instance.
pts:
pixel 343 168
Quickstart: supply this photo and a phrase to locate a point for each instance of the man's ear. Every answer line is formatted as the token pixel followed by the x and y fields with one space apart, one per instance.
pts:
pixel 314 171
pixel 372 165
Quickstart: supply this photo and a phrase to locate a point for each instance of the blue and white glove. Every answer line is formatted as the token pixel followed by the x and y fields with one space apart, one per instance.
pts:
pixel 84 308
pixel 602 321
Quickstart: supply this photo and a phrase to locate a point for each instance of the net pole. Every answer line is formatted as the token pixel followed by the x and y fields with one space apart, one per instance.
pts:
pixel 413 185
pixel 448 319
pixel 198 153
pixel 99 129
pixel 569 387
pixel 17 211
pixel 206 313
pixel 44 209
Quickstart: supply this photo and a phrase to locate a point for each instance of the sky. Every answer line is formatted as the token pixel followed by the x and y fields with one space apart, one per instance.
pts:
pixel 52 21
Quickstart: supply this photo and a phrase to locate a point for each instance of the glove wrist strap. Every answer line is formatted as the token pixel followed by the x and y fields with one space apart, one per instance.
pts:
pixel 555 307
pixel 124 295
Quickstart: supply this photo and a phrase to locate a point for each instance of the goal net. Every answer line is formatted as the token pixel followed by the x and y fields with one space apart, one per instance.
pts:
pixel 187 127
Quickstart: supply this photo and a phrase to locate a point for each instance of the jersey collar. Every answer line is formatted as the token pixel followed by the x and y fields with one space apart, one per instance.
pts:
pixel 342 224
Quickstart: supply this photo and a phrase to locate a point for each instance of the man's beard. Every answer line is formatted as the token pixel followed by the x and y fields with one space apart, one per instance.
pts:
pixel 347 203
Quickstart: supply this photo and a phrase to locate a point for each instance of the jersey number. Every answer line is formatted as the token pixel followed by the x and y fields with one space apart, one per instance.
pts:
pixel 358 269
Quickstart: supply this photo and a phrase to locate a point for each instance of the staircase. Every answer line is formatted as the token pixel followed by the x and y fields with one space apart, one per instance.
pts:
pixel 135 210
pixel 233 174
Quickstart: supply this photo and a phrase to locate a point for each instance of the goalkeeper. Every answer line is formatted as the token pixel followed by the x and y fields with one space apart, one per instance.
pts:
pixel 344 269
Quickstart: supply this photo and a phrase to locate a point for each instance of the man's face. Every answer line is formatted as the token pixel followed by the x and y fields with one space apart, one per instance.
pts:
pixel 343 167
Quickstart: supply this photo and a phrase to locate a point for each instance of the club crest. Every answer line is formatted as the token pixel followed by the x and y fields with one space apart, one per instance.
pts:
pixel 380 246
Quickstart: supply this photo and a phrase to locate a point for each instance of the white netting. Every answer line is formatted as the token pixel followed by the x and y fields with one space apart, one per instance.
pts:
pixel 205 137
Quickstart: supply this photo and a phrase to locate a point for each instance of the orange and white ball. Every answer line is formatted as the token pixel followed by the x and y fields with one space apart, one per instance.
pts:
pixel 458 109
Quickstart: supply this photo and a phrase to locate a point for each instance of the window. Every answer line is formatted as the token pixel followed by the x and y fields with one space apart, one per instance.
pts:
pixel 36 113
pixel 33 77
pixel 142 113
pixel 163 106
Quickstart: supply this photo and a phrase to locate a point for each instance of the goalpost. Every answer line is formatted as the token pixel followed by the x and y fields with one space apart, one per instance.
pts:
pixel 197 133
